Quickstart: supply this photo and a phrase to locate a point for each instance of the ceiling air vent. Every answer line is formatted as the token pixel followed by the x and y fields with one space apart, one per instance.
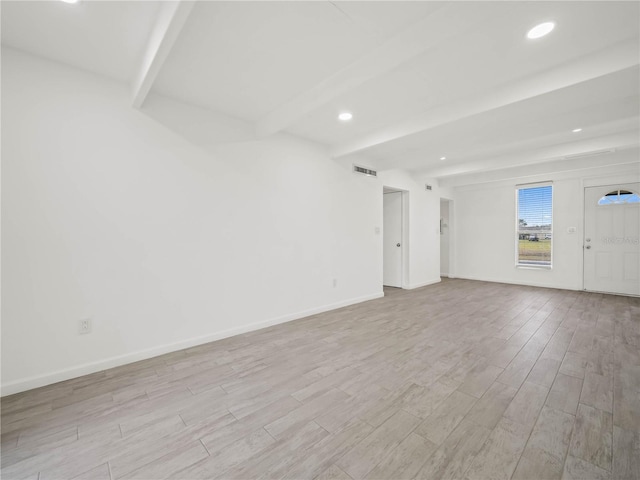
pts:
pixel 365 171
pixel 589 154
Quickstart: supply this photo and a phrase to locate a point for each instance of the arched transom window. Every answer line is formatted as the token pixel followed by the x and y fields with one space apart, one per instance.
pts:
pixel 619 197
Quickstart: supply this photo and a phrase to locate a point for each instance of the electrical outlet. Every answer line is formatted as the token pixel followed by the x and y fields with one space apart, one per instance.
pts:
pixel 84 326
pixel 335 282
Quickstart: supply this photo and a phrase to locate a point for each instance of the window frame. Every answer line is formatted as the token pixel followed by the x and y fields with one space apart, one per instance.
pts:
pixel 528 266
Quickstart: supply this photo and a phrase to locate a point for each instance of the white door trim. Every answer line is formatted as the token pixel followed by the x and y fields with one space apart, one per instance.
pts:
pixel 393 277
pixel 406 240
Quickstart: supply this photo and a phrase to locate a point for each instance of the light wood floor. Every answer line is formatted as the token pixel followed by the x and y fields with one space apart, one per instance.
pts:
pixel 457 380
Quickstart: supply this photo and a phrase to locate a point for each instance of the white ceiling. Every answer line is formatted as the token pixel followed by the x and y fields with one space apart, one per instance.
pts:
pixel 247 58
pixel 423 79
pixel 102 37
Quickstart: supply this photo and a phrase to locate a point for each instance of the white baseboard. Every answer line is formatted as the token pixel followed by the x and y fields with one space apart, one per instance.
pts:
pixel 424 284
pixel 29 383
pixel 512 282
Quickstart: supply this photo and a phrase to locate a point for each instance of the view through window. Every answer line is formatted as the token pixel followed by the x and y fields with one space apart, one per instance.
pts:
pixel 534 237
pixel 619 197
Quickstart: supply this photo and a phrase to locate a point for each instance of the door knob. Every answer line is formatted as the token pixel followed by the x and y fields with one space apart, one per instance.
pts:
pixel 397 244
pixel 587 247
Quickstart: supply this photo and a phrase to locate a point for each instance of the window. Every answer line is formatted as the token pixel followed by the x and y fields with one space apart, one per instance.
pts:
pixel 534 205
pixel 619 197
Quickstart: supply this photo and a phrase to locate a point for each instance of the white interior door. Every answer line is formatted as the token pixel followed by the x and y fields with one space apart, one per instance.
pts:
pixel 444 237
pixel 392 240
pixel 612 239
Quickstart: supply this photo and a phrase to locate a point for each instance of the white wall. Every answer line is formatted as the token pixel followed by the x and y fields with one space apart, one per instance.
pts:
pixel 167 227
pixel 484 226
pixel 423 246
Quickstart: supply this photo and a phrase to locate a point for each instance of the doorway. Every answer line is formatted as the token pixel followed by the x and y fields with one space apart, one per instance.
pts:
pixel 612 239
pixel 392 238
pixel 445 237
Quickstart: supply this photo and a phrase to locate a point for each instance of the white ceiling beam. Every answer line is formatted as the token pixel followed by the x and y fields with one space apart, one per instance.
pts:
pixel 626 158
pixel 578 149
pixel 171 19
pixel 619 57
pixel 487 156
pixel 446 22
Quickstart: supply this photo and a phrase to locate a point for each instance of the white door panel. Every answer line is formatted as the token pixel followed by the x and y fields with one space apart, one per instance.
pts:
pixel 392 240
pixel 611 242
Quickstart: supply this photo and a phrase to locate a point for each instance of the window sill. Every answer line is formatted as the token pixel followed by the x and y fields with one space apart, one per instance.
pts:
pixel 535 267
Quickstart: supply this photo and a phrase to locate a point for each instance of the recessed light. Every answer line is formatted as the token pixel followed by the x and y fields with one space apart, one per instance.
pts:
pixel 576 130
pixel 70 1
pixel 345 116
pixel 443 158
pixel 541 30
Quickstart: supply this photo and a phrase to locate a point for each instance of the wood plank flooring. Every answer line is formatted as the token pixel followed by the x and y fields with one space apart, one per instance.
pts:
pixel 463 379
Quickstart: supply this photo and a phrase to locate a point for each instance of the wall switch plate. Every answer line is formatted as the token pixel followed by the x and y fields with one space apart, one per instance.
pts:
pixel 572 230
pixel 335 282
pixel 84 326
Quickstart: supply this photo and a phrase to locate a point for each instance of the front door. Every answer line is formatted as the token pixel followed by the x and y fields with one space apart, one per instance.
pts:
pixel 612 239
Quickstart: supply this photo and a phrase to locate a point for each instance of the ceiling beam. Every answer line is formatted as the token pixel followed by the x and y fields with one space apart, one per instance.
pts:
pixel 443 24
pixel 624 158
pixel 171 19
pixel 517 148
pixel 619 57
pixel 579 149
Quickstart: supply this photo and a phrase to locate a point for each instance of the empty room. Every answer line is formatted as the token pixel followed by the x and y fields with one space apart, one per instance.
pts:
pixel 320 240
